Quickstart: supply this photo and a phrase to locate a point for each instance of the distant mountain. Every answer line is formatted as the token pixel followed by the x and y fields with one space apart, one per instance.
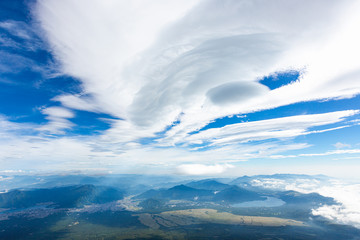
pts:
pixel 293 197
pixel 241 180
pixel 235 194
pixel 231 194
pixel 130 183
pixel 70 196
pixel 208 184
pixel 179 192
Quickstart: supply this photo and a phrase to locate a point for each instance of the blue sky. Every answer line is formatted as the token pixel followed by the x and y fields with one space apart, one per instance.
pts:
pixel 211 87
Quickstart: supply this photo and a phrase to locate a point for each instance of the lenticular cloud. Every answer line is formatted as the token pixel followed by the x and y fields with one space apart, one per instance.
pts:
pixel 153 63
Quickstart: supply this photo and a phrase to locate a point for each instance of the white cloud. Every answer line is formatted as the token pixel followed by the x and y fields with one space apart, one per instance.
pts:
pixel 58 112
pixel 348 212
pixel 119 154
pixel 300 184
pixel 156 63
pixel 152 63
pixel 5 178
pixel 333 152
pixel 8 129
pixel 30 40
pixel 16 28
pixel 11 172
pixel 26 146
pixel 200 169
pixel 13 63
pixel 19 40
pixel 280 128
pixel 234 92
pixel 57 119
pixel 346 194
pixel 78 102
pixel 347 151
pixel 95 40
pixel 341 145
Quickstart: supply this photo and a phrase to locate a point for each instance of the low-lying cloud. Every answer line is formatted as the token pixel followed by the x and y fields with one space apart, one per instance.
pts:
pixel 346 194
pixel 200 169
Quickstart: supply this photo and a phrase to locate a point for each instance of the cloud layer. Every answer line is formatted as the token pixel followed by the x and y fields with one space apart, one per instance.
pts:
pixel 163 70
pixel 195 62
pixel 200 169
pixel 347 211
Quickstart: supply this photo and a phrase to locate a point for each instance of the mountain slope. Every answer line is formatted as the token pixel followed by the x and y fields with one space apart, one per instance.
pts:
pixel 235 194
pixel 71 196
pixel 208 184
pixel 179 192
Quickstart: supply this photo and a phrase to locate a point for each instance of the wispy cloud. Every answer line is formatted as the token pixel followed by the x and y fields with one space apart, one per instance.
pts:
pixel 342 145
pixel 279 128
pixel 333 152
pixel 58 119
pixel 25 36
pixel 21 47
